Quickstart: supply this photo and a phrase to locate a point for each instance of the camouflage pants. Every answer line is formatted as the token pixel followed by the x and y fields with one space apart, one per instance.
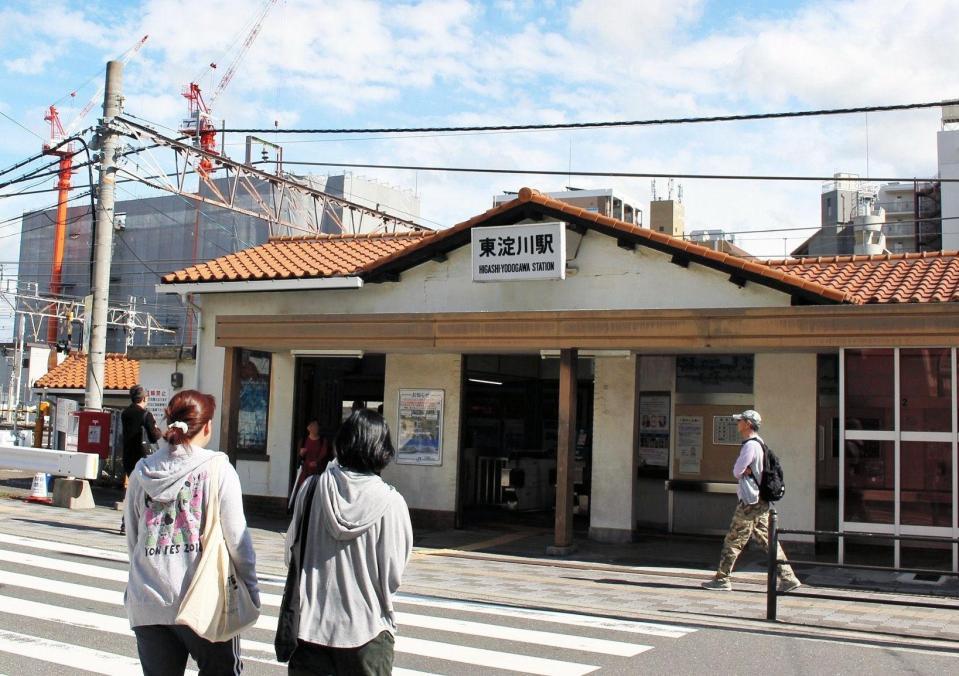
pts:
pixel 750 521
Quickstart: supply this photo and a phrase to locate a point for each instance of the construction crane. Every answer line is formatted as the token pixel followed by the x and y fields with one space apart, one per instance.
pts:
pixel 200 124
pixel 65 151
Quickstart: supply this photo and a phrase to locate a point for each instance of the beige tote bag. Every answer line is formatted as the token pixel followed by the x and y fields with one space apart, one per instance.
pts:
pixel 217 605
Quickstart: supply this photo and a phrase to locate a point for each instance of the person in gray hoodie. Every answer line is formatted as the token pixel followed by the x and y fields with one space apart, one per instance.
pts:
pixel 358 542
pixel 164 513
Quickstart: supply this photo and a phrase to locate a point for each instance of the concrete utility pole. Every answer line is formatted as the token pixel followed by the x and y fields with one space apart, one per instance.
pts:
pixel 103 247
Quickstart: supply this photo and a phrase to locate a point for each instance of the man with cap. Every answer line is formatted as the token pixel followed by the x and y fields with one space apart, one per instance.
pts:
pixel 139 430
pixel 751 518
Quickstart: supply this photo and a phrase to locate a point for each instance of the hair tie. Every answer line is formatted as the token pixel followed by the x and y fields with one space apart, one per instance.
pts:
pixel 180 425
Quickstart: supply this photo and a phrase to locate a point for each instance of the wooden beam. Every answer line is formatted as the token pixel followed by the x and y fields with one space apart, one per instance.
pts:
pixel 565 448
pixel 738 280
pixel 628 244
pixel 228 403
pixel 681 261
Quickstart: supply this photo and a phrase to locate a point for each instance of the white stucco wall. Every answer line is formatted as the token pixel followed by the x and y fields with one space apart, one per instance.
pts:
pixel 607 277
pixel 612 494
pixel 155 374
pixel 430 487
pixel 271 476
pixel 785 395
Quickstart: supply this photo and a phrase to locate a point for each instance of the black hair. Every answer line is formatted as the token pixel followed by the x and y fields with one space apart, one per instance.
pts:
pixel 363 442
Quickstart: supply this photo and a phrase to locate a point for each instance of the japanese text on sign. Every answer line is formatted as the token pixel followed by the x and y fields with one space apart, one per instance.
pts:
pixel 519 252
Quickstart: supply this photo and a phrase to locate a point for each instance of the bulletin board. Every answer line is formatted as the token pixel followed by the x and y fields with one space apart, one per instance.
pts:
pixel 715 461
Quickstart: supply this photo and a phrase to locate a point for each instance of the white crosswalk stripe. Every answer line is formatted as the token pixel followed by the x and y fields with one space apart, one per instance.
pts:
pixel 443 630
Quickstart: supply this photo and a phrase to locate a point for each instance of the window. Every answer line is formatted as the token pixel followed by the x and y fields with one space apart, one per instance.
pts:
pixel 869 389
pixel 253 401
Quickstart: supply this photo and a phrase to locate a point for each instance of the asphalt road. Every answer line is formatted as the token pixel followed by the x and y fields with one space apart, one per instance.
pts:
pixel 61 613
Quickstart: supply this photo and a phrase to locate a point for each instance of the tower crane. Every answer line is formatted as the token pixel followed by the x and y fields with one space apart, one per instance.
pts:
pixel 200 124
pixel 65 151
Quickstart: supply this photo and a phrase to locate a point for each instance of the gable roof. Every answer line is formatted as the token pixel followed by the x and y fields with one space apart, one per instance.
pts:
pixel 120 373
pixel 929 277
pixel 383 257
pixel 312 256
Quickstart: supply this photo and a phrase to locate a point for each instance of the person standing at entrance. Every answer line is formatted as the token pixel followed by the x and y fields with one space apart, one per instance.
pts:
pixel 139 431
pixel 358 542
pixel 751 518
pixel 314 454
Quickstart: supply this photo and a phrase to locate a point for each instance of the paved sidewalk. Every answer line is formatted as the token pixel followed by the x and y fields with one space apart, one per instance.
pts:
pixel 656 579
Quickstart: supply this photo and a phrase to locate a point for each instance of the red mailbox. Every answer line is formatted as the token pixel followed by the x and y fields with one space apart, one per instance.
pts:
pixel 94 433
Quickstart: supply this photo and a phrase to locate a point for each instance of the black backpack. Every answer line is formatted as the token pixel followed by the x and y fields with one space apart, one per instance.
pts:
pixel 772 486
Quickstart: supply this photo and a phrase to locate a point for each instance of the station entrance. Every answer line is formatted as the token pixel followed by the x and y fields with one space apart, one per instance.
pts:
pixel 507 465
pixel 328 389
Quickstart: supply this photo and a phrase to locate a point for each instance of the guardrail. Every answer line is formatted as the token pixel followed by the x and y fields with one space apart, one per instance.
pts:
pixel 57 463
pixel 772 593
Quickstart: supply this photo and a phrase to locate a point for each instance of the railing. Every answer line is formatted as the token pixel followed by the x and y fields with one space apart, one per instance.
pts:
pixel 772 593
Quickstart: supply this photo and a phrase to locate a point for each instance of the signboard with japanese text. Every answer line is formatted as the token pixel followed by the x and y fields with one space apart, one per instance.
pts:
pixel 725 432
pixel 689 443
pixel 515 253
pixel 654 429
pixel 157 399
pixel 420 429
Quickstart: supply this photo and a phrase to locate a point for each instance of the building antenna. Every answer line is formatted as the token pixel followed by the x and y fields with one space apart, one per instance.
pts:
pixel 867 145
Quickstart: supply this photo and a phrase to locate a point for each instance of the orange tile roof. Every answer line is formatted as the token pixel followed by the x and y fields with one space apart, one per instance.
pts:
pixel 929 277
pixel 121 373
pixel 298 258
pixel 848 279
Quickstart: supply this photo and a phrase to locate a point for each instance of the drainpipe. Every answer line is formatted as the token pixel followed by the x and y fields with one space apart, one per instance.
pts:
pixel 185 299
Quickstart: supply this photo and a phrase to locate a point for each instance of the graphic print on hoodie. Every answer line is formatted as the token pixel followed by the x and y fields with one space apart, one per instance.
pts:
pixel 174 526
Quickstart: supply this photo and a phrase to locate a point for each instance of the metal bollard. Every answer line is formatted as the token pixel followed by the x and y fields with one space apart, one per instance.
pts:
pixel 773 561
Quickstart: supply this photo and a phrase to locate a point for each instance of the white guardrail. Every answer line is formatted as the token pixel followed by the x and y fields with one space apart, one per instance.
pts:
pixel 57 463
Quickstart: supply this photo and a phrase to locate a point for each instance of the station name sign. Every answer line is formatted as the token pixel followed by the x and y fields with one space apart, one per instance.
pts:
pixel 514 253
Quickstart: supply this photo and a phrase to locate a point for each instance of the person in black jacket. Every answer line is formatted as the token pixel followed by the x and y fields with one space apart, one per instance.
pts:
pixel 139 430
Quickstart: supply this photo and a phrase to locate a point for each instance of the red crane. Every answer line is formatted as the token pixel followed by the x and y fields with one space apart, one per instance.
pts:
pixel 65 152
pixel 200 124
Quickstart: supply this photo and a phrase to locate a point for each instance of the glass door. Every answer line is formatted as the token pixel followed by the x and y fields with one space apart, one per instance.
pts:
pixel 898 455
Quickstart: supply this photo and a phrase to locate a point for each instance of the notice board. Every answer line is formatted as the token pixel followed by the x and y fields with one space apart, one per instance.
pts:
pixel 697 430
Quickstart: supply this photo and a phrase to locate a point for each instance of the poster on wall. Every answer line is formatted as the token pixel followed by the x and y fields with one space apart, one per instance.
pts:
pixel 654 429
pixel 420 428
pixel 254 400
pixel 725 431
pixel 157 399
pixel 689 443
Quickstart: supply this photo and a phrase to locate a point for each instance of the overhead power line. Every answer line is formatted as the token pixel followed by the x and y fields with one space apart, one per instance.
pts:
pixel 607 124
pixel 613 174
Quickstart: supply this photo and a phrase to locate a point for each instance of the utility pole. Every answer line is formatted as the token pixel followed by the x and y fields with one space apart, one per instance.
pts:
pixel 103 246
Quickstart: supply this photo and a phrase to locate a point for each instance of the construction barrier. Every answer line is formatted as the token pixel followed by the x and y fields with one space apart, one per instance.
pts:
pixel 38 491
pixel 57 463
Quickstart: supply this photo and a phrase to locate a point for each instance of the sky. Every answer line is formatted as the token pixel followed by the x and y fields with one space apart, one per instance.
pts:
pixel 370 63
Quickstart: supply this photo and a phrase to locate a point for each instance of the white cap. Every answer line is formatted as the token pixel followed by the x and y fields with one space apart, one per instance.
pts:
pixel 750 416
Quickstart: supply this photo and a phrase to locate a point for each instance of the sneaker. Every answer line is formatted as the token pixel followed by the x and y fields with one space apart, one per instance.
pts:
pixel 786 586
pixel 722 584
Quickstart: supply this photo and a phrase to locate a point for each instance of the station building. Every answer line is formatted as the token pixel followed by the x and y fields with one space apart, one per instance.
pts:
pixel 540 358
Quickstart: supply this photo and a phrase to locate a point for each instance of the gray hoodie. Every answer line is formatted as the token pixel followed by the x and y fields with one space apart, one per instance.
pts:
pixel 359 540
pixel 166 503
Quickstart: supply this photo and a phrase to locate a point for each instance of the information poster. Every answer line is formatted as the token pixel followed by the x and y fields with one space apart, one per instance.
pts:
pixel 654 429
pixel 689 443
pixel 420 436
pixel 254 400
pixel 157 399
pixel 725 431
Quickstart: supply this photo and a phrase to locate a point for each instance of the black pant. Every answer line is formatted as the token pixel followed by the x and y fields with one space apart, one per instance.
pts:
pixel 370 659
pixel 164 649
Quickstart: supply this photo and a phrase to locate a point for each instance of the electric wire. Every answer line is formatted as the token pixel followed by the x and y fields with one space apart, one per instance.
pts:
pixel 607 124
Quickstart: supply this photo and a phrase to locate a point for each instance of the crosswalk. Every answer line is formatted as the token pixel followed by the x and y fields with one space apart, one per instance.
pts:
pixel 61 610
